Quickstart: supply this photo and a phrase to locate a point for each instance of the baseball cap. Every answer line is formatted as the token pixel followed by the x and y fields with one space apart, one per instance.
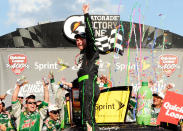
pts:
pixel 53 107
pixel 80 35
pixel 159 94
pixel 30 96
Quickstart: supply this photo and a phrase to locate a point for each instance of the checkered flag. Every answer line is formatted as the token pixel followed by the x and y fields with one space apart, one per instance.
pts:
pixel 27 37
pixel 112 43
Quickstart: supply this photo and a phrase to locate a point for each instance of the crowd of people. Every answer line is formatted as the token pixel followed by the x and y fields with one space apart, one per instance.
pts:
pixel 29 114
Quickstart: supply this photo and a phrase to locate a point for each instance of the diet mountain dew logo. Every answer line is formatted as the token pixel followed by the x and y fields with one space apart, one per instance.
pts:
pixel 168 63
pixel 17 63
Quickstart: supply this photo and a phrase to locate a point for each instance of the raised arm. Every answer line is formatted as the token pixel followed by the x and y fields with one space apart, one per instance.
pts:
pixel 85 8
pixel 53 86
pixel 46 92
pixel 91 49
pixel 169 86
pixel 90 34
pixel 16 91
pixel 68 84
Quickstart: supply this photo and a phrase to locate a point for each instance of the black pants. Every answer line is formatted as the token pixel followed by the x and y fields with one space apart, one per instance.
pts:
pixel 89 93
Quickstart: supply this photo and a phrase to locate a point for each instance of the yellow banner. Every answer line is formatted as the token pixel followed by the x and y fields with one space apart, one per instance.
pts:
pixel 111 106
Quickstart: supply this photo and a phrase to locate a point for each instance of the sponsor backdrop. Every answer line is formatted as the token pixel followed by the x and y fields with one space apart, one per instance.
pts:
pixel 161 66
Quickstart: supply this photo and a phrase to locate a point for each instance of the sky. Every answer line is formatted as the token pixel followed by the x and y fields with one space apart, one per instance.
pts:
pixel 163 14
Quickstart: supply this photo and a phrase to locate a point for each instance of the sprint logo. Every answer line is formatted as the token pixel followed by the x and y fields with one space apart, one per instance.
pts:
pixel 118 105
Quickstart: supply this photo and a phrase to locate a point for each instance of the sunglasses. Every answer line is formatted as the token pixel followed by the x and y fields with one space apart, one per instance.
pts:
pixel 21 97
pixel 31 103
pixel 55 112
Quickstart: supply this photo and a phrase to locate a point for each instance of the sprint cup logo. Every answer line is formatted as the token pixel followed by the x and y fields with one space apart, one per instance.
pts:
pixel 17 63
pixel 168 63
